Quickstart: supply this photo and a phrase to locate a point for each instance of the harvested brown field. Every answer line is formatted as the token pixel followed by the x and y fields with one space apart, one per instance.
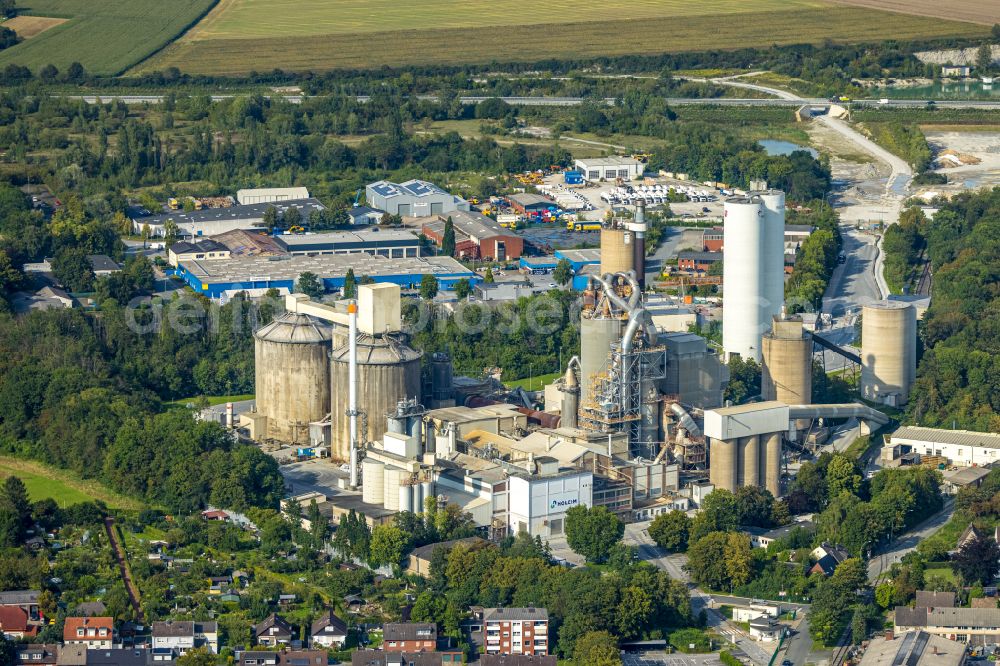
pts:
pixel 986 12
pixel 27 27
pixel 531 43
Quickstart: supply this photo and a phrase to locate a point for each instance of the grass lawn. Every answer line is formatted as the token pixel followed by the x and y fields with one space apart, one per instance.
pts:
pixel 240 36
pixel 535 383
pixel 212 400
pixel 106 37
pixel 946 575
pixel 63 486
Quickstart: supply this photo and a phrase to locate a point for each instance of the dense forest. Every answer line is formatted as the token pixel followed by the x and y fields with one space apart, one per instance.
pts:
pixel 958 379
pixel 816 257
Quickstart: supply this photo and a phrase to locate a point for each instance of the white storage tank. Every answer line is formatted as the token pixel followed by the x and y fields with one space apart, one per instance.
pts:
pixel 372 481
pixel 426 490
pixel 773 254
pixel 394 478
pixel 742 323
pixel 406 498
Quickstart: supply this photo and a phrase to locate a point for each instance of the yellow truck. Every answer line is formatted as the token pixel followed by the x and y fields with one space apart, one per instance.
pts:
pixel 583 226
pixel 173 204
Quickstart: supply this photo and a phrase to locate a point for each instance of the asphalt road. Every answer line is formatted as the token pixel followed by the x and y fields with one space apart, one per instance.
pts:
pixel 882 560
pixel 853 282
pixel 667 249
pixel 786 99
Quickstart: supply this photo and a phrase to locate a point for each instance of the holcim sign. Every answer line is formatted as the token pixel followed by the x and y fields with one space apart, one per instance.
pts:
pixel 562 504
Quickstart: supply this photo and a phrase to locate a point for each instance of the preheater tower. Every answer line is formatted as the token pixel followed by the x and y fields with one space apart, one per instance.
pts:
pixel 888 351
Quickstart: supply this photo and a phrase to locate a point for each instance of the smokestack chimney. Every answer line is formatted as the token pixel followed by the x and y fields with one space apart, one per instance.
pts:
pixel 639 247
pixel 352 390
pixel 230 415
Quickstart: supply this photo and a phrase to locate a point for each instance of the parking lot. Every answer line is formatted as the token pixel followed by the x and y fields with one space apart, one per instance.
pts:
pixel 658 658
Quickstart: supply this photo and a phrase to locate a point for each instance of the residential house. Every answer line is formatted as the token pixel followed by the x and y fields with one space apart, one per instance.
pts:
pixel 72 655
pixel 975 626
pixel 926 599
pixel 762 538
pixel 182 636
pixel 969 534
pixel 274 630
pixel 24 599
pixel 409 637
pixel 103 265
pixel 956 71
pixel 916 648
pixel 14 624
pixel 518 660
pixel 755 611
pixel 383 658
pixel 283 658
pixel 118 657
pixel 328 631
pixel 93 632
pixel 91 608
pixel 219 584
pixel 37 654
pixel 828 557
pixel 420 559
pixel 516 630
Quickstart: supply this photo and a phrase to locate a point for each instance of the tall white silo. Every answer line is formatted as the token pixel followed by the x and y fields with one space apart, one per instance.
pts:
pixel 743 278
pixel 773 254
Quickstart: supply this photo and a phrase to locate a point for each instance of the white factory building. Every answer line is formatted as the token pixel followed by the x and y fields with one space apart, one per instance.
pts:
pixel 538 504
pixel 962 448
pixel 270 195
pixel 610 168
pixel 414 198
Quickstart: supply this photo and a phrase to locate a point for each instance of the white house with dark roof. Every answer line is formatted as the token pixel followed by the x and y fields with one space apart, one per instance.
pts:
pixel 328 631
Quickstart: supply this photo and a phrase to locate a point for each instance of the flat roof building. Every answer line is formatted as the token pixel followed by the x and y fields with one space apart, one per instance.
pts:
pixel 222 278
pixel 527 203
pixel 414 198
pixel 610 168
pixel 393 243
pixel 212 221
pixel 196 249
pixel 270 195
pixel 916 648
pixel 963 448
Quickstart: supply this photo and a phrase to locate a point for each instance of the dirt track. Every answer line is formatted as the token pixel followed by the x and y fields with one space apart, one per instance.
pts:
pixel 27 27
pixel 986 12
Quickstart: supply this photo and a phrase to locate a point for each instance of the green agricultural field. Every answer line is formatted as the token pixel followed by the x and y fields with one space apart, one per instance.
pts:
pixel 105 36
pixel 45 482
pixel 240 36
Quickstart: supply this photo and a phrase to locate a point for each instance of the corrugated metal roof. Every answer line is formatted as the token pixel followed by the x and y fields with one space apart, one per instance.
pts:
pixel 958 437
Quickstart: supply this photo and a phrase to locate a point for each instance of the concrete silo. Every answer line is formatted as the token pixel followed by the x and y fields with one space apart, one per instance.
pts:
pixel 743 278
pixel 786 373
pixel 617 255
pixel 388 372
pixel 772 255
pixel 292 375
pixel 888 351
pixel 772 462
pixel 723 469
pixel 749 452
pixel 373 481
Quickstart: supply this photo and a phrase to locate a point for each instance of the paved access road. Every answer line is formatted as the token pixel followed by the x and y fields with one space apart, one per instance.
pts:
pixel 883 559
pixel 659 658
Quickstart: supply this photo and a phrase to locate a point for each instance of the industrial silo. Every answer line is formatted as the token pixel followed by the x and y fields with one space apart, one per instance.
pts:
pixel 442 381
pixel 597 334
pixel 772 255
pixel 394 478
pixel 772 462
pixel 388 372
pixel 786 373
pixel 749 452
pixel 372 481
pixel 616 250
pixel 723 470
pixel 292 375
pixel 888 351
pixel 743 278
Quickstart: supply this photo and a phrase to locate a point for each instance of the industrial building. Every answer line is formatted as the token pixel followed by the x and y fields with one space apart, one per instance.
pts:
pixel 746 445
pixel 365 215
pixel 414 198
pixel 476 236
pixel 531 204
pixel 753 270
pixel 888 352
pixel 270 195
pixel 577 259
pixel 212 221
pixel 196 250
pixel 610 168
pixel 961 448
pixel 393 243
pixel 697 261
pixel 222 278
